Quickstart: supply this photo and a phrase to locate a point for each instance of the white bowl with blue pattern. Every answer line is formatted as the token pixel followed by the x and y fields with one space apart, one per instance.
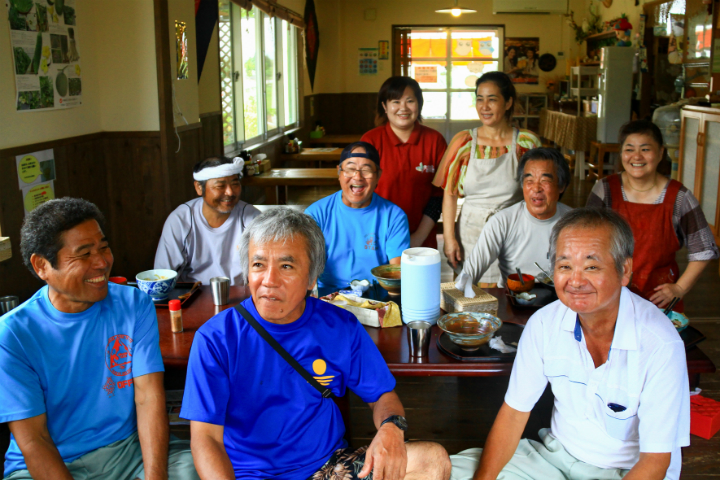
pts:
pixel 157 283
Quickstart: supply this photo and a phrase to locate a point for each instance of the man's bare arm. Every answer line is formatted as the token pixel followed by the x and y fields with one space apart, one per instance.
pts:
pixel 41 455
pixel 651 466
pixel 386 456
pixel 153 429
pixel 208 450
pixel 502 442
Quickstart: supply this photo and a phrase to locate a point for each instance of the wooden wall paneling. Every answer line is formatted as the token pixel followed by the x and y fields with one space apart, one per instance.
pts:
pixel 212 138
pixel 341 113
pixel 136 189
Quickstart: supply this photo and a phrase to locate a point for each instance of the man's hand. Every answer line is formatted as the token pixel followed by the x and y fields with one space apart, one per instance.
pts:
pixel 386 456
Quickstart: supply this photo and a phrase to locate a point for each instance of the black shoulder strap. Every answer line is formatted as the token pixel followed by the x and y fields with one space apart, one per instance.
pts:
pixel 325 392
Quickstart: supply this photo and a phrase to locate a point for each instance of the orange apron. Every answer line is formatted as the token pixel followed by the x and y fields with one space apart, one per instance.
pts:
pixel 656 242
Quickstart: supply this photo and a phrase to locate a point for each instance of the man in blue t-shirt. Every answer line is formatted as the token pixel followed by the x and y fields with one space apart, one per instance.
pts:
pixel 80 362
pixel 252 415
pixel 362 230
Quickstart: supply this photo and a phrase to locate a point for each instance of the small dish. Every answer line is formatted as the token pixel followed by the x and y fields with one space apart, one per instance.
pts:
pixel 680 321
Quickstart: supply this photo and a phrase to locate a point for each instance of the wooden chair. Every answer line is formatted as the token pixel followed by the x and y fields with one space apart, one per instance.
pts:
pixel 596 161
pixel 570 159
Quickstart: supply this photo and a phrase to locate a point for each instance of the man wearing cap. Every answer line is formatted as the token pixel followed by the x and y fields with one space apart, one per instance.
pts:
pixel 362 230
pixel 200 238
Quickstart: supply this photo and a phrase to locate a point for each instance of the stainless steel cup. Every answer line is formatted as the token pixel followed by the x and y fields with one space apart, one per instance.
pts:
pixel 8 303
pixel 419 334
pixel 220 290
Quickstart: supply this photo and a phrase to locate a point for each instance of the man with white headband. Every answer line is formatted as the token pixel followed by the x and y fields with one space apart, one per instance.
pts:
pixel 200 238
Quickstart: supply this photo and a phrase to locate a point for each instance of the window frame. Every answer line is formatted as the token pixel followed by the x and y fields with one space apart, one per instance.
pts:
pixel 240 141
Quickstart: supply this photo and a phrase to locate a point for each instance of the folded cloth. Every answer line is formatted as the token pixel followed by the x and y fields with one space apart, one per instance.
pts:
pixel 389 312
pixel 496 343
pixel 464 283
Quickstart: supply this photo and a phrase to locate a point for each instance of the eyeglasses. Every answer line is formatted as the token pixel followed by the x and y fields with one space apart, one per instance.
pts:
pixel 364 172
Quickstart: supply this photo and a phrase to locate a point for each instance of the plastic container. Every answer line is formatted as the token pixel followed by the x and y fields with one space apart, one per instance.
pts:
pixel 176 322
pixel 704 416
pixel 420 286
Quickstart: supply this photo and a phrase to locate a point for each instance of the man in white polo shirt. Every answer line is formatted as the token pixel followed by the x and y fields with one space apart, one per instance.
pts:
pixel 200 238
pixel 615 363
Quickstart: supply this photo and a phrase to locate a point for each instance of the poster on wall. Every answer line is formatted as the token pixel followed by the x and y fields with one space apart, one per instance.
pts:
pixel 34 168
pixel 46 60
pixel 521 60
pixel 368 61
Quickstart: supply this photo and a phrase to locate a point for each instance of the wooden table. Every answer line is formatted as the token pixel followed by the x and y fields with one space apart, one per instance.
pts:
pixel 277 180
pixel 314 155
pixel 335 140
pixel 392 342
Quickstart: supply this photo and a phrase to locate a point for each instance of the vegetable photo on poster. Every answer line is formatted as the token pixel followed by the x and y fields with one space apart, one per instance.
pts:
pixel 45 55
pixel 521 59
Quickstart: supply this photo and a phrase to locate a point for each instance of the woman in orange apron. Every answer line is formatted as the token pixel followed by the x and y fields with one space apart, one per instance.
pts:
pixel 663 214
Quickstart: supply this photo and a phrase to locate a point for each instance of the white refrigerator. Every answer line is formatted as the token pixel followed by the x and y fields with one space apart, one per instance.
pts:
pixel 614 91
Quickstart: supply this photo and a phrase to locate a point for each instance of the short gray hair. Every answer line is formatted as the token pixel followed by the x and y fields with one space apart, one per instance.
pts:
pixel 280 224
pixel 622 243
pixel 562 170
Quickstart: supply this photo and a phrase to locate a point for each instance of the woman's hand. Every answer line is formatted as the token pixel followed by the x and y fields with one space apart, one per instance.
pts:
pixel 453 252
pixel 665 293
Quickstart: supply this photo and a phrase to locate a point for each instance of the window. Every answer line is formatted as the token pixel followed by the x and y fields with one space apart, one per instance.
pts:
pixel 258 69
pixel 446 62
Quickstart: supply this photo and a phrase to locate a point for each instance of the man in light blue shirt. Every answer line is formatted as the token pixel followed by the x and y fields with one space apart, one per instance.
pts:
pixel 80 363
pixel 362 230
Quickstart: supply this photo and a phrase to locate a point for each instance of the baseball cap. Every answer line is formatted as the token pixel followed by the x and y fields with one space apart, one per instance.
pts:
pixel 371 152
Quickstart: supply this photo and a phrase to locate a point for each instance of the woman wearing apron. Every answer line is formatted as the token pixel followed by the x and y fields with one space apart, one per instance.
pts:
pixel 480 165
pixel 663 215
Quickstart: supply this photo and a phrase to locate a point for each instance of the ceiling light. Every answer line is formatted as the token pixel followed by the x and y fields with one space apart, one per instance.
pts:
pixel 456 10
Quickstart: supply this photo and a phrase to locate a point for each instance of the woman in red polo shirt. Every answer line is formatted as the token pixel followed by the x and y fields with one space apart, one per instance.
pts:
pixel 409 155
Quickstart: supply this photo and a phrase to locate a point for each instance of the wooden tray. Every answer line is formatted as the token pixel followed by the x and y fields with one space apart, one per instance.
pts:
pixel 545 296
pixel 509 332
pixel 691 336
pixel 181 288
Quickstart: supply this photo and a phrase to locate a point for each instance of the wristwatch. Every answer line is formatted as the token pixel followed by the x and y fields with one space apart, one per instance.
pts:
pixel 398 420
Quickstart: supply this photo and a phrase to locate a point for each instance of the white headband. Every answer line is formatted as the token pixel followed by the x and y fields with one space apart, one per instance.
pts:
pixel 219 171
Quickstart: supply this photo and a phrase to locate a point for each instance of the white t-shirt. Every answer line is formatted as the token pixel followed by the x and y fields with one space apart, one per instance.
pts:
pixel 516 239
pixel 199 252
pixel 646 373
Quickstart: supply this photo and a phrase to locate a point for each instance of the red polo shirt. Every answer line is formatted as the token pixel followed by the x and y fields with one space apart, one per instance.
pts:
pixel 408 170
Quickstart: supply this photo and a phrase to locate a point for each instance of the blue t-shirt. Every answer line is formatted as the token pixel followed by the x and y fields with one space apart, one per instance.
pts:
pixel 78 368
pixel 358 239
pixel 276 424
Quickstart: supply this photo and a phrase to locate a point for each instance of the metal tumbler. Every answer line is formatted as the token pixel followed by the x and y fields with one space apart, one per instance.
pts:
pixel 220 290
pixel 419 333
pixel 8 303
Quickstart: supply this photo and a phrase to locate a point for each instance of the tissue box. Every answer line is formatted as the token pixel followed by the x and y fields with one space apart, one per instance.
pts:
pixel 5 250
pixel 265 166
pixel 704 416
pixel 453 300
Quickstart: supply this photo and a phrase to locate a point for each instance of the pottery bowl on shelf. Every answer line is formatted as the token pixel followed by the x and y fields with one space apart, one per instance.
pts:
pixel 514 284
pixel 469 330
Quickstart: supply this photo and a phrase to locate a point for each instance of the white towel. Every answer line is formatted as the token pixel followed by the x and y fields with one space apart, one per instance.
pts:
pixel 496 343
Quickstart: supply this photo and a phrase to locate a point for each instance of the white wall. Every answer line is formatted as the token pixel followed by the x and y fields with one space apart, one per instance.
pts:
pixel 343 30
pixel 116 44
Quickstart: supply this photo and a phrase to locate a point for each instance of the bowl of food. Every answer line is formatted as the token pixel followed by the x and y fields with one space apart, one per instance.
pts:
pixel 388 276
pixel 679 320
pixel 469 330
pixel 525 298
pixel 514 284
pixel 157 283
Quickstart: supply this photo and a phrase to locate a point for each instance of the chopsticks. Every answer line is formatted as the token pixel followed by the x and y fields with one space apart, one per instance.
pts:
pixel 669 308
pixel 190 292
